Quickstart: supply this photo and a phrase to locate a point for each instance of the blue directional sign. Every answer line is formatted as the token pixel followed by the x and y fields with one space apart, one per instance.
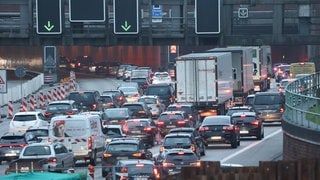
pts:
pixel 126 19
pixel 207 16
pixel 48 15
pixel 87 10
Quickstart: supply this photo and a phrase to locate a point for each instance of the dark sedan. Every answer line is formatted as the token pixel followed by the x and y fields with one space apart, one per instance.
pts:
pixel 220 130
pixel 249 123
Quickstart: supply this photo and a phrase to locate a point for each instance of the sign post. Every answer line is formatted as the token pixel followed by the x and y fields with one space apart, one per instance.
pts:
pixel 48 16
pixel 126 19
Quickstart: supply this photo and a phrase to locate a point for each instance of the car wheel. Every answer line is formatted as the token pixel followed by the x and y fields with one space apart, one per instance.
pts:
pixel 93 158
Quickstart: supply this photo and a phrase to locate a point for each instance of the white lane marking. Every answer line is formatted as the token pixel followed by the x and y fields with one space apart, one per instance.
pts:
pixel 250 146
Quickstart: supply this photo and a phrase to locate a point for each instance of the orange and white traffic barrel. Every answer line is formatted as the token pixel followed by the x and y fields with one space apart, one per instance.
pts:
pixel 10 110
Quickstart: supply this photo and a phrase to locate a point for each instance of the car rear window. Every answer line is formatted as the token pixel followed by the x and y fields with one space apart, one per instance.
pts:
pixel 167 117
pixel 113 131
pixel 57 107
pixel 122 147
pixel 37 150
pixel 25 118
pixel 82 97
pixel 112 113
pixel 267 99
pixel 173 157
pixel 38 132
pixel 136 123
pixel 12 140
pixel 106 99
pixel 179 140
pixel 140 169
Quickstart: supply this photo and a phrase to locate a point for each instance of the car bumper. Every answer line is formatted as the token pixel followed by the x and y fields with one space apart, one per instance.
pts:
pixel 270 117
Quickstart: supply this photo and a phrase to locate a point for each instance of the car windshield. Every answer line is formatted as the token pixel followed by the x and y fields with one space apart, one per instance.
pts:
pixel 57 107
pixel 38 132
pixel 82 97
pixel 37 150
pixel 30 117
pixel 167 117
pixel 12 140
pixel 122 147
pixel 174 157
pixel 267 100
pixel 179 140
pixel 114 113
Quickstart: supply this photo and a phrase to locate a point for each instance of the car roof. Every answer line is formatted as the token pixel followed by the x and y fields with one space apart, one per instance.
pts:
pixel 27 113
pixel 126 139
pixel 136 161
pixel 180 104
pixel 243 113
pixel 182 129
pixel 117 109
pixel 173 112
pixel 268 93
pixel 13 134
pixel 140 119
pixel 149 96
pixel 113 126
pixel 176 150
pixel 181 134
pixel 134 103
pixel 43 143
pixel 240 107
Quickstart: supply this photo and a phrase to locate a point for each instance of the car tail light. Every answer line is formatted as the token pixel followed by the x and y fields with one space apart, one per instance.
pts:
pixel 167 164
pixel 255 123
pixel 156 173
pixel 136 95
pixel 124 169
pixel 139 165
pixel 79 64
pixel 125 128
pixel 281 110
pixel 190 117
pixel 107 155
pixel 70 112
pixel 90 142
pixel 94 106
pixel 47 113
pixel 137 155
pixel 160 123
pixel 227 128
pixel 52 160
pixel 49 140
pixel 181 122
pixel 203 128
pixel 193 148
pixel 171 100
pixel 197 164
pixel 161 148
pixel 148 129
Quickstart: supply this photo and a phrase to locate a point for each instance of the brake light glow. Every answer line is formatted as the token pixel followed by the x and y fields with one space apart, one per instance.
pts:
pixel 47 113
pixel 242 115
pixel 181 122
pixel 70 112
pixel 52 160
pixel 161 148
pixel 203 128
pixel 281 110
pixel 193 148
pixel 147 129
pixel 181 153
pixel 137 154
pixel 94 106
pixel 90 142
pixel 160 123
pixel 255 123
pixel 107 155
pixel 124 170
pixel 197 164
pixel 167 164
pixel 125 128
pixel 227 128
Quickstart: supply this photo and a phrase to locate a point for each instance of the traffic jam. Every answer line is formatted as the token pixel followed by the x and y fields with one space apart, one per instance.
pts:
pixel 149 108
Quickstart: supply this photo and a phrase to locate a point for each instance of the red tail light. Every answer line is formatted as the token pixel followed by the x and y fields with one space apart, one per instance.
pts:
pixel 281 110
pixel 148 129
pixel 181 122
pixel 125 128
pixel 136 95
pixel 255 123
pixel 124 170
pixel 139 155
pixel 70 112
pixel 47 113
pixel 79 64
pixel 90 142
pixel 52 160
pixel 203 128
pixel 160 123
pixel 227 128
pixel 94 106
pixel 167 164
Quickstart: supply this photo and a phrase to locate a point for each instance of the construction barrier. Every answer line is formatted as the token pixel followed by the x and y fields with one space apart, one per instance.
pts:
pixel 41 100
pixel 10 110
pixel 33 103
pixel 24 105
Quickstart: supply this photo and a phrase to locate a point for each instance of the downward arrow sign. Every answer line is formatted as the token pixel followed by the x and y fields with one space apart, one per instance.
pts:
pixel 48 27
pixel 126 26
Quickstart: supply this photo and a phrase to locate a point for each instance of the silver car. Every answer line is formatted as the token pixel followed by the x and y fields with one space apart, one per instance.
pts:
pixel 55 155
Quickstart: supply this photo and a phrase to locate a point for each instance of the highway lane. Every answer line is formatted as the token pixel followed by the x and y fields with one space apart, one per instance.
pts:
pixel 249 153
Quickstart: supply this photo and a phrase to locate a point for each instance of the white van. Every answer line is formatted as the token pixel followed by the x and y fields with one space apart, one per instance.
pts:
pixel 80 133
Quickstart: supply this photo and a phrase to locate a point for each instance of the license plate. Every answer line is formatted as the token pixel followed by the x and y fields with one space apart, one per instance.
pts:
pixel 24 169
pixel 244 132
pixel 120 158
pixel 140 178
pixel 216 137
pixel 135 132
pixel 10 154
pixel 171 126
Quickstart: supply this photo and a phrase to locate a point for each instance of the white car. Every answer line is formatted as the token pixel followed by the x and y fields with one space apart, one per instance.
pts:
pixel 58 157
pixel 161 77
pixel 22 121
pixel 154 103
pixel 113 131
pixel 41 133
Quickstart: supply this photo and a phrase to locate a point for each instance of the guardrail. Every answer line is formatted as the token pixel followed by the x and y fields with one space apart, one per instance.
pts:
pixel 302 102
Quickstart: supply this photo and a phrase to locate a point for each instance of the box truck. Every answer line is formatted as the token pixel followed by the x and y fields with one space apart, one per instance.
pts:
pixel 242 68
pixel 205 79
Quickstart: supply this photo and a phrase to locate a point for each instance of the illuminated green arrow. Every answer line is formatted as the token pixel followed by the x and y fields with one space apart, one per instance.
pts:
pixel 48 27
pixel 126 26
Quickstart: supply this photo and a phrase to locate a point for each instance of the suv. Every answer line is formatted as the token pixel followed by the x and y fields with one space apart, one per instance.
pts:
pixel 87 100
pixel 190 109
pixel 172 119
pixel 235 109
pixel 249 124
pixel 142 128
pixel 180 140
pixel 269 106
pixel 122 148
pixel 195 133
pixel 164 91
pixel 118 94
pixel 138 109
pixel 63 107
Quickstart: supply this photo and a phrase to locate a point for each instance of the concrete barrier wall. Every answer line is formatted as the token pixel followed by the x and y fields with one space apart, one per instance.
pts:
pixel 16 93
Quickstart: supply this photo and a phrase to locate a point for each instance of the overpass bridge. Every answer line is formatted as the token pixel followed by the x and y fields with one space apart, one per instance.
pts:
pixel 245 22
